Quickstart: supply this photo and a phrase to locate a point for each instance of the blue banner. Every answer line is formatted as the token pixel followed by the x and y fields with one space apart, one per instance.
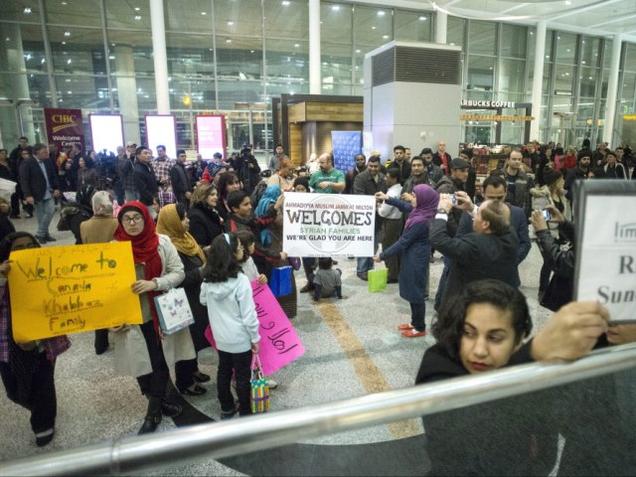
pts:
pixel 346 145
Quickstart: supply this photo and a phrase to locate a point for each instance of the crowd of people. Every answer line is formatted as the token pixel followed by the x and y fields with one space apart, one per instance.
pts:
pixel 211 227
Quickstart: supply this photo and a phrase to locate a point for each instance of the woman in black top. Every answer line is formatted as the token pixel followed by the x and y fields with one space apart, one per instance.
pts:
pixel 482 330
pixel 205 222
pixel 228 182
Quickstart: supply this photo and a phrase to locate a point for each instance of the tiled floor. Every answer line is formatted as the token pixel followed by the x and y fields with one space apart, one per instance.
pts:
pixel 94 404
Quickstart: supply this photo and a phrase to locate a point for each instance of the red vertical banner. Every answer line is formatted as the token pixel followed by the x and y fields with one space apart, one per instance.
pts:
pixel 64 126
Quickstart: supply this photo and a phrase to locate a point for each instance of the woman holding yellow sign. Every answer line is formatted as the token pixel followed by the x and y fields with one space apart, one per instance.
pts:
pixel 28 369
pixel 158 269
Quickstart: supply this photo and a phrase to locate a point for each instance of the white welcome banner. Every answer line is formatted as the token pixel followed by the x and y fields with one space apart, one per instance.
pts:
pixel 323 225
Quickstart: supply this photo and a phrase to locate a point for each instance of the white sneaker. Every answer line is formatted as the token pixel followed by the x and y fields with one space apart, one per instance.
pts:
pixel 271 383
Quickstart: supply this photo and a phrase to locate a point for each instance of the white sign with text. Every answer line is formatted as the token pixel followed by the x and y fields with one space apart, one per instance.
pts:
pixel 607 270
pixel 323 225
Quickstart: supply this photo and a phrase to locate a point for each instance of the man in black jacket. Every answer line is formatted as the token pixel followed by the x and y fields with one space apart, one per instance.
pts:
pixel 488 252
pixel 145 180
pixel 40 187
pixel 15 159
pixel 180 179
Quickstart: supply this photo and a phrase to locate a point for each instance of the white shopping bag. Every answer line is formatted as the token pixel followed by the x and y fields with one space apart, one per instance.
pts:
pixel 7 189
pixel 173 310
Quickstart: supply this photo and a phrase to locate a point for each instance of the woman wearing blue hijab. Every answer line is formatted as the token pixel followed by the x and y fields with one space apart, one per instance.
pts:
pixel 268 199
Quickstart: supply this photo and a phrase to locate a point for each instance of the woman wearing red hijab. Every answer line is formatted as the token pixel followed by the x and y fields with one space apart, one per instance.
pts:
pixel 142 350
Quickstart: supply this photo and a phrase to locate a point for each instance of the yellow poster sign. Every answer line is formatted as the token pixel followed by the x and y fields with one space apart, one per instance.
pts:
pixel 61 290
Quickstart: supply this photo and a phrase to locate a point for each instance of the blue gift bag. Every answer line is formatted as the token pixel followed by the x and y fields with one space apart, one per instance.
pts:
pixel 281 281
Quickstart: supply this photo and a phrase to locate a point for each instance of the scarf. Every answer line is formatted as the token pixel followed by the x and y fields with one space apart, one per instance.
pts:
pixel 427 201
pixel 171 225
pixel 270 196
pixel 145 247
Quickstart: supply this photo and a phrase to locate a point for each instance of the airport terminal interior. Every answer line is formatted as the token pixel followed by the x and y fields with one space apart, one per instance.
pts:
pixel 296 90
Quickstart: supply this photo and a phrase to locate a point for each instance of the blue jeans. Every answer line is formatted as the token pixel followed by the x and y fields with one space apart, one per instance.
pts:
pixel 44 211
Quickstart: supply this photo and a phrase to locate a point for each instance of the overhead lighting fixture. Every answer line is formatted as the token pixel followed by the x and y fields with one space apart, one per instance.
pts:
pixel 385 37
pixel 381 13
pixel 63 43
pixel 568 2
pixel 357 51
pixel 251 51
pixel 285 3
pixel 28 56
pixel 422 18
pixel 42 61
pixel 67 33
pixel 373 28
pixel 230 23
pixel 27 10
pixel 7 39
pixel 137 17
pixel 68 80
pixel 69 61
pixel 137 9
pixel 204 13
pixel 228 41
pixel 296 45
pixel 69 92
pixel 64 3
pixel 111 57
pixel 335 8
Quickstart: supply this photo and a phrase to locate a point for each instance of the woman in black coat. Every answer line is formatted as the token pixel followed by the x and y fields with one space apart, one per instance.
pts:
pixel 173 222
pixel 205 222
pixel 482 330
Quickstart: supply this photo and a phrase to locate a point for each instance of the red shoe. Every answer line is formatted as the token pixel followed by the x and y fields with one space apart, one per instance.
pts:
pixel 405 327
pixel 413 333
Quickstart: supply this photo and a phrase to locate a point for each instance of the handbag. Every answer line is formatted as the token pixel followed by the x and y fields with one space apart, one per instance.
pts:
pixel 281 281
pixel 377 279
pixel 295 262
pixel 173 310
pixel 259 388
pixel 558 293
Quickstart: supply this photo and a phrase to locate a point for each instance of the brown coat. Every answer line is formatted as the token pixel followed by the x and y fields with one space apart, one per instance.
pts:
pixel 98 229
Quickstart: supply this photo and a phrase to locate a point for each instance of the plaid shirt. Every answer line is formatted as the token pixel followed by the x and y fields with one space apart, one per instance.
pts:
pixel 162 169
pixel 52 346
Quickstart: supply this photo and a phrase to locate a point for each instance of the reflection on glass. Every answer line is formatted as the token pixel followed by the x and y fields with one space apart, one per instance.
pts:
pixel 480 73
pixel 77 50
pixel 482 37
pixel 21 48
pixel 412 26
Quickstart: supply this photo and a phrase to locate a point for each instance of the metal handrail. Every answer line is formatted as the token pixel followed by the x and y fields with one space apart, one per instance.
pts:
pixel 229 438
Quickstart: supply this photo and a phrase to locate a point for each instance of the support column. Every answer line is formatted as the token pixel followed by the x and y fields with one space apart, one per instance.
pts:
pixel 441 28
pixel 127 91
pixel 537 80
pixel 160 56
pixel 315 80
pixel 612 90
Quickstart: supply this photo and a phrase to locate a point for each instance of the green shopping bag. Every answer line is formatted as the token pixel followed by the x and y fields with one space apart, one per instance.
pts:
pixel 377 279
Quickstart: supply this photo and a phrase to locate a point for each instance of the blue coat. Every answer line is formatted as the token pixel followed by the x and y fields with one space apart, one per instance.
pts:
pixel 415 251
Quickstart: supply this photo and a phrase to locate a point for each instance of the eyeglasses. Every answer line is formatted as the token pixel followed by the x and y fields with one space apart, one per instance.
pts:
pixel 132 220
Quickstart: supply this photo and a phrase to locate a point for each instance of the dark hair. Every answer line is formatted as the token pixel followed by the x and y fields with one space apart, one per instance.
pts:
pixel 583 153
pixel 38 147
pixel 181 211
pixel 610 153
pixel 497 214
pixel 303 181
pixel 221 263
pixel 3 150
pixel 426 150
pixel 23 137
pixel 246 238
pixel 235 198
pixel 360 155
pixel 374 159
pixel 325 263
pixel 401 148
pixel 417 158
pixel 161 146
pixel 7 243
pixel 449 327
pixel 224 179
pixel 180 151
pixel 494 180
pixel 140 149
pixel 395 173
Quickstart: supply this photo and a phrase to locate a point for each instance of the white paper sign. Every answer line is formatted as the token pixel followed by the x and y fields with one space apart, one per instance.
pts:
pixel 607 270
pixel 174 310
pixel 323 225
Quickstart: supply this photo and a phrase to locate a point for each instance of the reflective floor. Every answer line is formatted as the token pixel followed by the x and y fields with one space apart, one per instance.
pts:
pixel 352 348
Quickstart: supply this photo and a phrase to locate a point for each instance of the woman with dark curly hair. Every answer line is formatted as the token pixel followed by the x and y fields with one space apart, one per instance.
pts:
pixel 228 182
pixel 481 330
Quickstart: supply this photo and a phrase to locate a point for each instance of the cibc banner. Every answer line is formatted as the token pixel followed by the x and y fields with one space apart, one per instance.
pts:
pixel 64 126
pixel 323 225
pixel 606 246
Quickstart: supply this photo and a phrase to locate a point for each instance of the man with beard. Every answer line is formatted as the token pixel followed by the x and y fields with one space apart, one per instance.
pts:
pixel 361 165
pixel 518 183
pixel 581 171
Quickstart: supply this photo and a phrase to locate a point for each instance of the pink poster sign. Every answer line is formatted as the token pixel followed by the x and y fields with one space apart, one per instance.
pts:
pixel 210 135
pixel 280 344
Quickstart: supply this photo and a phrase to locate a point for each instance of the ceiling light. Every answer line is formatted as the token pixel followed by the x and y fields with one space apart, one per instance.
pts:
pixel 204 13
pixel 335 8
pixel 28 56
pixel 532 33
pixel 7 39
pixel 251 51
pixel 228 41
pixel 111 57
pixel 67 33
pixel 69 92
pixel 68 80
pixel 422 19
pixel 230 23
pixel 137 17
pixel 63 43
pixel 568 2
pixel 357 51
pixel 27 10
pixel 385 37
pixel 64 3
pixel 42 61
pixel 69 61
pixel 373 28
pixel 381 13
pixel 296 45
pixel 583 61
pixel 285 3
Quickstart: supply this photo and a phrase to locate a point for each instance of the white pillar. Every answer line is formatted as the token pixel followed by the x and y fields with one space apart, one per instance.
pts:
pixel 160 56
pixel 612 90
pixel 127 91
pixel 441 20
pixel 537 80
pixel 315 80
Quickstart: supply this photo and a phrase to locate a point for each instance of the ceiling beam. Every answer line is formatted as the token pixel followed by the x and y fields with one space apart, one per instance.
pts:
pixel 577 10
pixel 513 8
pixel 614 20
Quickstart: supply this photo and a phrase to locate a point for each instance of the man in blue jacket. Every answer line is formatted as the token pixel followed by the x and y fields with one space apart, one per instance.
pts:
pixel 38 179
pixel 494 187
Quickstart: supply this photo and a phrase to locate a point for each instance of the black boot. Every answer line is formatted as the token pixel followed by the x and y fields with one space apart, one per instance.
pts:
pixel 153 416
pixel 170 409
